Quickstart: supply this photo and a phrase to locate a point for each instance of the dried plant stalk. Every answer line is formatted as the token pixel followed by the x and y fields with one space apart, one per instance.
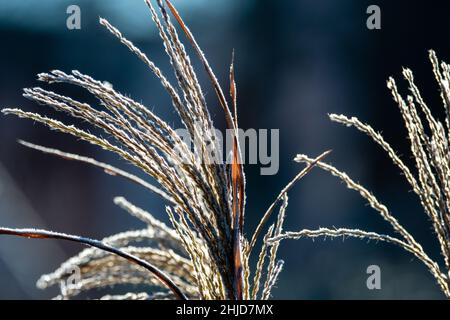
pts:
pixel 204 254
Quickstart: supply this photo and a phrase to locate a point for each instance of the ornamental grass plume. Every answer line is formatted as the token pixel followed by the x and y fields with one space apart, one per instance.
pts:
pixel 430 181
pixel 204 253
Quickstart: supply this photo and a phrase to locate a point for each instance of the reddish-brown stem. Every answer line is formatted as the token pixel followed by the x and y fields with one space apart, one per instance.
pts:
pixel 44 234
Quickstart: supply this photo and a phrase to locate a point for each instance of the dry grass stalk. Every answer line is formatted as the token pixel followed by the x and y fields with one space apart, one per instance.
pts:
pixel 429 141
pixel 204 254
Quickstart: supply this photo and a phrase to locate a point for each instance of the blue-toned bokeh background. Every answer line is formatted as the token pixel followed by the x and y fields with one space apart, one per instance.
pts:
pixel 296 61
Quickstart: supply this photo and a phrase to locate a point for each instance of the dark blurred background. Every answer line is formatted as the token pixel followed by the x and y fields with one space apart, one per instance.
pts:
pixel 296 61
